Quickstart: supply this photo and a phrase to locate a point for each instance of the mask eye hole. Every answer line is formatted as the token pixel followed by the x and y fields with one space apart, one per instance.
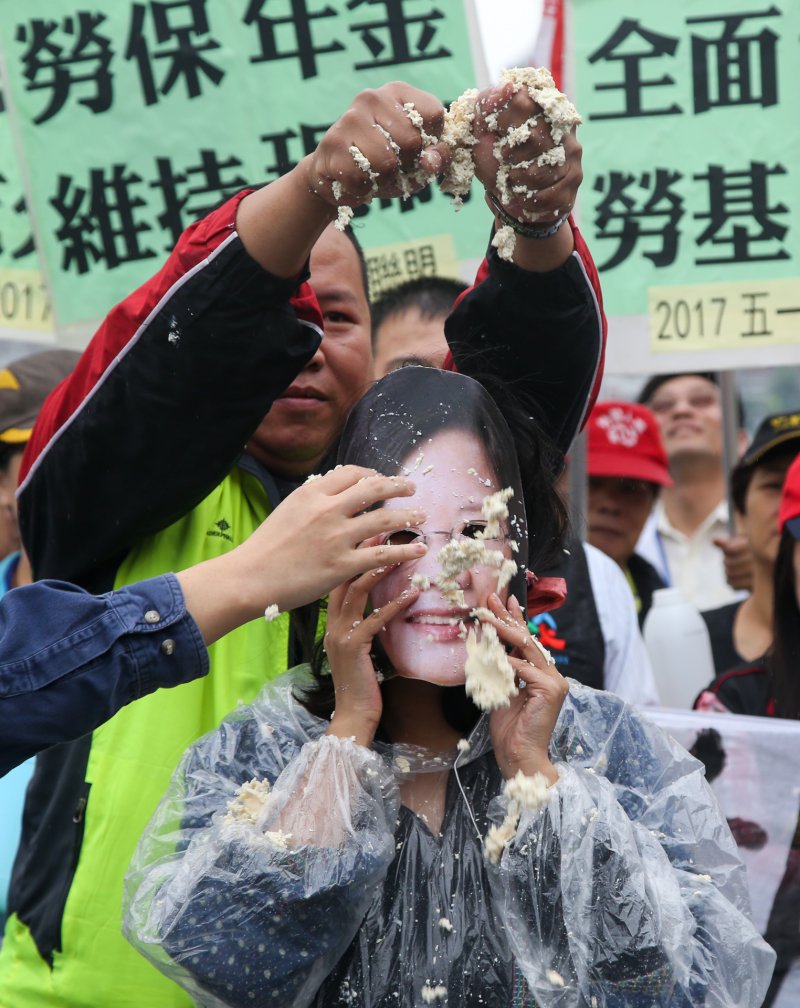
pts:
pixel 403 537
pixel 471 530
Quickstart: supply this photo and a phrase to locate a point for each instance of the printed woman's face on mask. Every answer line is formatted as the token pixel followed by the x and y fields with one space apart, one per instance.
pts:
pixel 427 641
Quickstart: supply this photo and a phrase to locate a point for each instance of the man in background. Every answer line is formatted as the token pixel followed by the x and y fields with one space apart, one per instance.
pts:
pixel 408 323
pixel 741 632
pixel 687 537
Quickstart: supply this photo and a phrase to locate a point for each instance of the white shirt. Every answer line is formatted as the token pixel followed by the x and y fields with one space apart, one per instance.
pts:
pixel 692 563
pixel 627 670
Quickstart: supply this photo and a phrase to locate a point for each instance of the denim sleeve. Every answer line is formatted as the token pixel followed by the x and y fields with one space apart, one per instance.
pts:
pixel 70 660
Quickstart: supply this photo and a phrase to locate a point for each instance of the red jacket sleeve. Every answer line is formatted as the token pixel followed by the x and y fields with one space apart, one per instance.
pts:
pixel 162 401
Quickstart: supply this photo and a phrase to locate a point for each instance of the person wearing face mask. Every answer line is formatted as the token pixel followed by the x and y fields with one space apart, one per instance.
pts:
pixel 325 845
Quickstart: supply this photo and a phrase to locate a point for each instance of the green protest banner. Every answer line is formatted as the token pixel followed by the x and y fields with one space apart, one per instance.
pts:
pixel 136 118
pixel 692 166
pixel 24 305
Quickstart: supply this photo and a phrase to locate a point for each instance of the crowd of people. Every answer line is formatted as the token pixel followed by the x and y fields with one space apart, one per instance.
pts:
pixel 228 638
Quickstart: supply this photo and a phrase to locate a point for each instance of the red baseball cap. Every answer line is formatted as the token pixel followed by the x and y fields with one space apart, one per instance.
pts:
pixel 789 514
pixel 625 441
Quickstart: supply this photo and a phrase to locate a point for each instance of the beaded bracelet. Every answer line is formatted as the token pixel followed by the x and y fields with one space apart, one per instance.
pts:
pixel 520 228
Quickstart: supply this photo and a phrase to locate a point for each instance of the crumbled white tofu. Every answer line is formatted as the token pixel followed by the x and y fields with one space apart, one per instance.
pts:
pixel 554 978
pixel 445 924
pixel 431 993
pixel 313 476
pixel 505 241
pixel 248 801
pixel 558 112
pixel 522 792
pixel 416 120
pixel 494 510
pixel 459 555
pixel 420 581
pixel 499 836
pixel 362 161
pixel 463 745
pixel 402 764
pixel 279 838
pixel 343 217
pixel 527 792
pixel 489 677
pixel 271 612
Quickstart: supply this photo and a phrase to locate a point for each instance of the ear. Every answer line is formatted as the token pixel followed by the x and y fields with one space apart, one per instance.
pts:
pixel 742 441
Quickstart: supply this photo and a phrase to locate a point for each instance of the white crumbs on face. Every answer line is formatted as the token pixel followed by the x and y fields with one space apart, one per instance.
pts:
pixel 489 677
pixel 460 554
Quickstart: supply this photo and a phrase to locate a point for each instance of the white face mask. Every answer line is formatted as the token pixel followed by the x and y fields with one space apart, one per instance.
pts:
pixel 427 641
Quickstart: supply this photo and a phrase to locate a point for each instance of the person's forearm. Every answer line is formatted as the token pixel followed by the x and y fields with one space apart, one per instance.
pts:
pixel 72 660
pixel 221 596
pixel 541 255
pixel 280 223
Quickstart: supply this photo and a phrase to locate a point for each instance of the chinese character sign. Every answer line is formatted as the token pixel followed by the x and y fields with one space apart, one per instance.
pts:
pixel 136 118
pixel 24 306
pixel 691 140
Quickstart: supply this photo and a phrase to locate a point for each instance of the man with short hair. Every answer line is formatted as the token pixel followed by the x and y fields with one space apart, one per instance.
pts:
pixel 741 632
pixel 230 347
pixel 627 468
pixel 408 323
pixel 687 537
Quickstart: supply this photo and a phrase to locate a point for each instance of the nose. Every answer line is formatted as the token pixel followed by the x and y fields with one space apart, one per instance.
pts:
pixel 681 407
pixel 604 500
pixel 317 362
pixel 429 566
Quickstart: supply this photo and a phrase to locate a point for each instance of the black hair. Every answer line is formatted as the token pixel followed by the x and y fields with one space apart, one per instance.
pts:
pixel 523 459
pixel 742 474
pixel 655 382
pixel 784 661
pixel 432 296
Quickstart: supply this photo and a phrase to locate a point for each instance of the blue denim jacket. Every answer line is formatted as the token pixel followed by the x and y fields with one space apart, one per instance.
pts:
pixel 69 660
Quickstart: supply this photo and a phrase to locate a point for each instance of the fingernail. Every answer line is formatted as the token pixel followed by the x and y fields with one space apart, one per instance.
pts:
pixel 420 548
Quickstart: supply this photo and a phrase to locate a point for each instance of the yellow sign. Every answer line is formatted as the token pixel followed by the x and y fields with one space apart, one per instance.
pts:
pixel 729 316
pixel 390 265
pixel 24 303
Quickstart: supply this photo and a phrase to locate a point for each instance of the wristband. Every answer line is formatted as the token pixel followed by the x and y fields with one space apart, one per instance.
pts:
pixel 519 227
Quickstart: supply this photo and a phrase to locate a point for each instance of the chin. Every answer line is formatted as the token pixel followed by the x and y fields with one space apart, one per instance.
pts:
pixel 439 671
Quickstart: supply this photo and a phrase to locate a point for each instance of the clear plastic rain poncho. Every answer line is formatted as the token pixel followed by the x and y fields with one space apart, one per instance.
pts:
pixel 281 868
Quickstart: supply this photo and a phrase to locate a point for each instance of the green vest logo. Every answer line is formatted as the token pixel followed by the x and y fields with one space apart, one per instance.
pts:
pixel 220 530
